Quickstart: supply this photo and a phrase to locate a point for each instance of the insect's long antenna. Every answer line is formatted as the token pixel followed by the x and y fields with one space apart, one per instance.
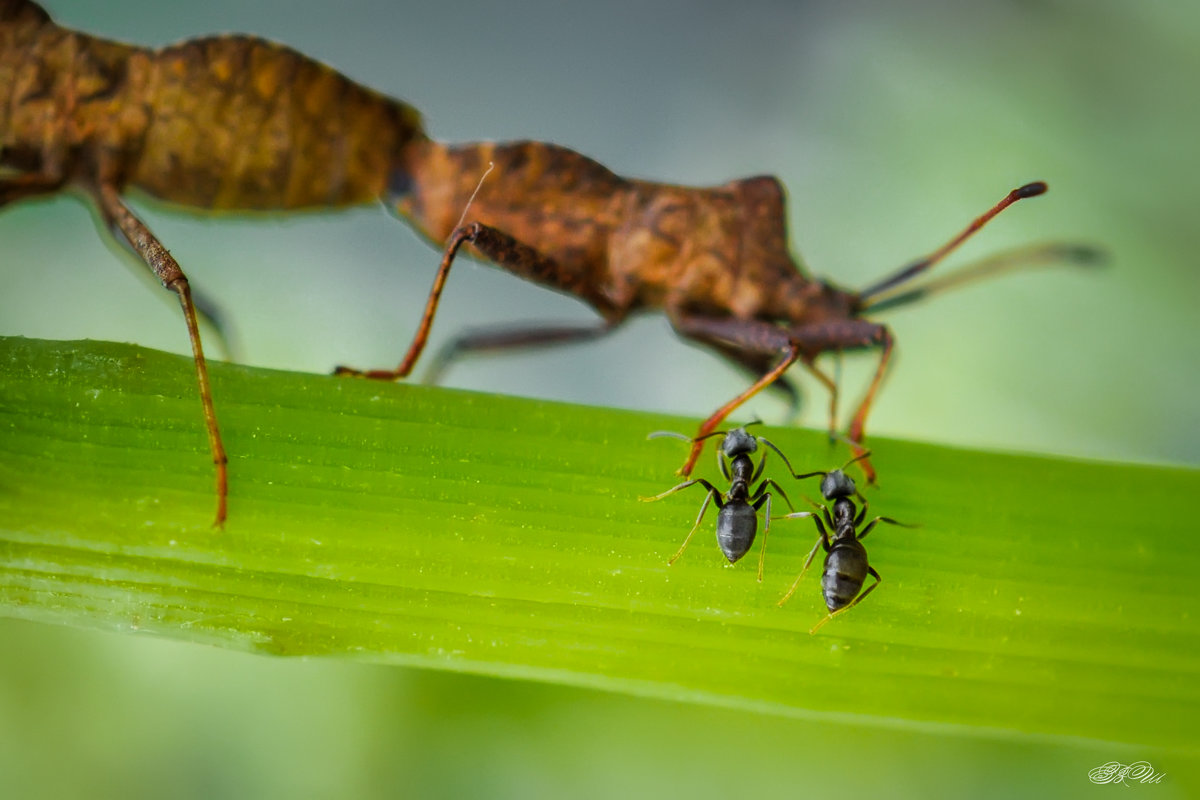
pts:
pixel 1023 258
pixel 917 267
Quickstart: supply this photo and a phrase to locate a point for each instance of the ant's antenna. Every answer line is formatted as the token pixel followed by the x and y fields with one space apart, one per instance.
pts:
pixel 842 468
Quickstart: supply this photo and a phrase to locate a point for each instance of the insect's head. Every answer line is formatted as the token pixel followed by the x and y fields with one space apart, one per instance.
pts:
pixel 738 442
pixel 837 484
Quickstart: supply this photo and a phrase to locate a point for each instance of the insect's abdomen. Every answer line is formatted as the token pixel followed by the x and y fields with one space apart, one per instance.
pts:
pixel 237 122
pixel 844 575
pixel 736 526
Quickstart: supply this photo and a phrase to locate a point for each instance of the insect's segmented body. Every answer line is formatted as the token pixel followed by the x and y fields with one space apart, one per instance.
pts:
pixel 846 565
pixel 238 123
pixel 223 122
pixel 737 509
pixel 622 244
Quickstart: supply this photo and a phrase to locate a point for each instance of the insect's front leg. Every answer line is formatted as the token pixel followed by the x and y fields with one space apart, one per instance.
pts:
pixel 752 336
pixel 713 494
pixel 757 364
pixel 760 498
pixel 801 342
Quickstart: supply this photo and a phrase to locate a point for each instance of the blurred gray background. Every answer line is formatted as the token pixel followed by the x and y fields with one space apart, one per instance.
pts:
pixel 891 124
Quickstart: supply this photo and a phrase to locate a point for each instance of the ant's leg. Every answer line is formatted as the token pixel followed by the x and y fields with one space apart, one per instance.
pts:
pixel 678 487
pixel 765 499
pixel 210 314
pixel 712 494
pixel 851 604
pixel 823 539
pixel 888 520
pixel 510 338
pixel 825 512
pixel 770 482
pixel 862 512
pixel 166 268
pixel 760 498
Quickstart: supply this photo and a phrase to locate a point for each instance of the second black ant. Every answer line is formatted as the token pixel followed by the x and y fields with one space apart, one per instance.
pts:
pixel 846 565
pixel 737 516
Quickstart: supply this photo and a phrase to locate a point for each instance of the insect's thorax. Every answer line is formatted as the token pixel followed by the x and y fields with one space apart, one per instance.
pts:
pixel 844 512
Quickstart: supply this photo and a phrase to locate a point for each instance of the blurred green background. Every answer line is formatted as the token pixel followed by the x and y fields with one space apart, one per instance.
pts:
pixel 891 124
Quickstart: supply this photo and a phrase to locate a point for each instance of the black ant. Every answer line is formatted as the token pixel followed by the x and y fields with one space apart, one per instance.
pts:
pixel 846 566
pixel 737 519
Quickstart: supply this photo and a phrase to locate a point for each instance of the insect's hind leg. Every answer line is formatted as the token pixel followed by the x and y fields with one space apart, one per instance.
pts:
pixel 167 270
pixel 851 604
pixel 27 185
pixel 499 339
pixel 208 311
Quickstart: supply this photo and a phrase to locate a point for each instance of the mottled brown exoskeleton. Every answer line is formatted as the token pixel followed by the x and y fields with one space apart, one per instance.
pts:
pixel 238 123
pixel 227 123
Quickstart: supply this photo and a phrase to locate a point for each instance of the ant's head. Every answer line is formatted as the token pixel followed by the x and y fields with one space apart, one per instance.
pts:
pixel 738 442
pixel 837 484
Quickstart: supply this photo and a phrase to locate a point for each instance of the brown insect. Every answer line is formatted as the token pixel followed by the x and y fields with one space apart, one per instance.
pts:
pixel 238 123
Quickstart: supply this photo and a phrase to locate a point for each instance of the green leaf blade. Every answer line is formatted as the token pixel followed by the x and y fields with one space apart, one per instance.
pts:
pixel 460 531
